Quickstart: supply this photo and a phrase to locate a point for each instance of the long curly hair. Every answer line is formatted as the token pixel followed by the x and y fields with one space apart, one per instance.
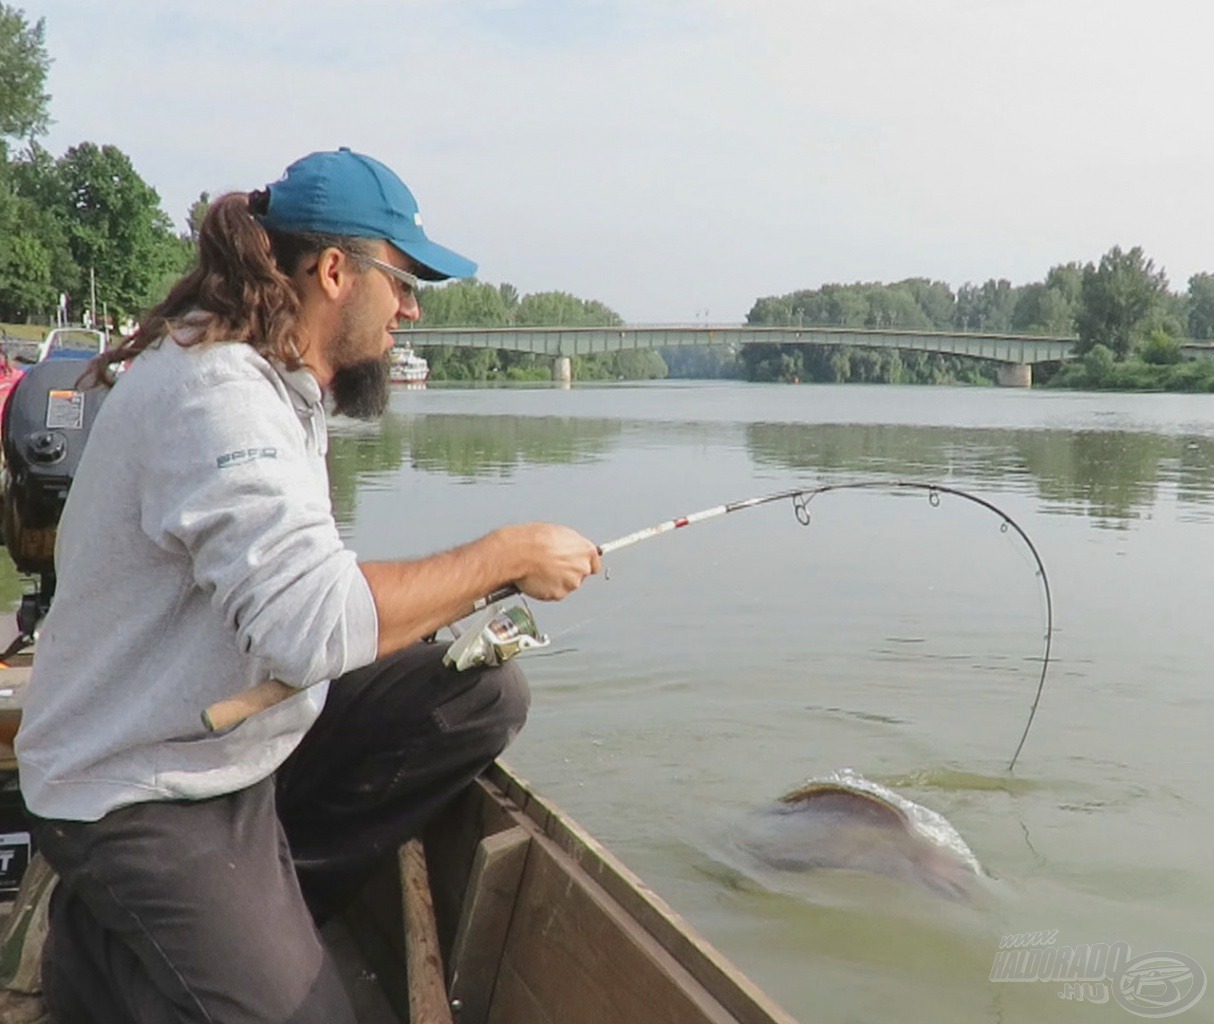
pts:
pixel 240 289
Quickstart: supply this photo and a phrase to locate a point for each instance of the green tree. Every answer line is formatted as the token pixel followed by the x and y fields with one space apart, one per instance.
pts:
pixel 196 214
pixel 469 303
pixel 838 306
pixel 1201 307
pixel 23 67
pixel 35 176
pixel 560 309
pixel 1161 349
pixel 474 303
pixel 894 306
pixel 775 362
pixel 447 363
pixel 26 285
pixel 914 304
pixel 634 364
pixel 702 362
pixel 35 261
pixel 1119 301
pixel 936 299
pixel 1044 310
pixel 115 227
pixel 1098 362
pixel 771 311
pixel 509 296
pixel 988 307
pixel 1067 280
pixel 1049 307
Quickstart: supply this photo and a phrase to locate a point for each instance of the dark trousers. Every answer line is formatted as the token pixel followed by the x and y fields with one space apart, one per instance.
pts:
pixel 207 910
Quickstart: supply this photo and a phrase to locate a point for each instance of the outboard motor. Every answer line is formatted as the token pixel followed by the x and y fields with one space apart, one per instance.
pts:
pixel 46 422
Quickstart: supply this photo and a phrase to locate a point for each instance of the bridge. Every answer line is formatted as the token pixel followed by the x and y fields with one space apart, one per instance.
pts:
pixel 1016 353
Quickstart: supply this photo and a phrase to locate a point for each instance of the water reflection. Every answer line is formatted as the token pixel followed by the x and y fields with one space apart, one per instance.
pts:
pixel 467 447
pixel 358 453
pixel 474 446
pixel 1112 477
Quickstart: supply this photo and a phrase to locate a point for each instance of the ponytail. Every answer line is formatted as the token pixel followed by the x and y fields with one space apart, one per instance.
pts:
pixel 237 292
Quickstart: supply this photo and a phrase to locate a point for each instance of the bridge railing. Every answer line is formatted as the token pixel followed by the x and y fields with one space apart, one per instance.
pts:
pixel 575 341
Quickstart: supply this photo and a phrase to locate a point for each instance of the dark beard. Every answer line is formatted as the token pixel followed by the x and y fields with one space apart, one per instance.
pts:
pixel 361 390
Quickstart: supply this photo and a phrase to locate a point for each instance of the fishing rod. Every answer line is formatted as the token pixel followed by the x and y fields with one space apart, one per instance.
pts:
pixel 224 714
pixel 801 498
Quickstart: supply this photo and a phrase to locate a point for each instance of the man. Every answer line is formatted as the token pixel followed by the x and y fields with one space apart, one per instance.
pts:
pixel 197 557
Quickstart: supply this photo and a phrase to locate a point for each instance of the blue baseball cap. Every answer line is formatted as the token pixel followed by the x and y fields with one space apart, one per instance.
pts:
pixel 346 193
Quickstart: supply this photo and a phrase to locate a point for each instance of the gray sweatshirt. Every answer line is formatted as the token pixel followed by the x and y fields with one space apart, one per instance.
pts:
pixel 196 557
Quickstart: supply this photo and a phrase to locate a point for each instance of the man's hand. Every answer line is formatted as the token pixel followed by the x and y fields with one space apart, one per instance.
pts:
pixel 413 599
pixel 555 559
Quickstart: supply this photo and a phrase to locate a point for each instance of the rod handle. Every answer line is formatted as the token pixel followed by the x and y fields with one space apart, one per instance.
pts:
pixel 224 714
pixel 510 589
pixel 481 603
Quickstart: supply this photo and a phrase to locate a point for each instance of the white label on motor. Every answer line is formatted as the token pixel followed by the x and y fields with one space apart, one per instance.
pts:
pixel 65 410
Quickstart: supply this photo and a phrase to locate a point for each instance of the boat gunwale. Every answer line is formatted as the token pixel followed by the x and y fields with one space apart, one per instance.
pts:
pixel 720 978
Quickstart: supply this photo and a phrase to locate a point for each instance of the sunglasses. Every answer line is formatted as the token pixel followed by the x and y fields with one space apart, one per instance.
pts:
pixel 407 282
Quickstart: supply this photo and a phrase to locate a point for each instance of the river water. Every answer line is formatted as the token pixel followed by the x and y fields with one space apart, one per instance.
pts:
pixel 721 666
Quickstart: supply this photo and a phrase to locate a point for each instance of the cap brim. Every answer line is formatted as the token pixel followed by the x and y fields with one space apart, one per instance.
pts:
pixel 434 262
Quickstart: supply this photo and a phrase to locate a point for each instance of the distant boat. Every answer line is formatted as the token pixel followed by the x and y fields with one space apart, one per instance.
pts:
pixel 71 343
pixel 407 367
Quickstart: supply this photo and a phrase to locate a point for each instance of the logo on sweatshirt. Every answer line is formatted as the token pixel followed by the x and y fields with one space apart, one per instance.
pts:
pixel 242 455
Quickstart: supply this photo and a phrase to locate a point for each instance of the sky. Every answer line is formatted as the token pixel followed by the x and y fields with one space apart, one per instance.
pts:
pixel 678 159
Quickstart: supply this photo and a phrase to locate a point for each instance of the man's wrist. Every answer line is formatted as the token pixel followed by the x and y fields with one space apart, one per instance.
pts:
pixel 508 553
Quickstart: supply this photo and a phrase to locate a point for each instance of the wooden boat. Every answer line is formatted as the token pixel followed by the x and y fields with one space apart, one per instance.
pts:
pixel 505 912
pixel 523 917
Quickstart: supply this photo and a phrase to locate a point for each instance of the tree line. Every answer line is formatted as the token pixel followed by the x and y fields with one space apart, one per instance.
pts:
pixel 64 221
pixel 87 215
pixel 475 303
pixel 1128 323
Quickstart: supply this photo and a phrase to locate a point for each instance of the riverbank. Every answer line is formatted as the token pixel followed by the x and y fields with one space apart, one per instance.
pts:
pixel 1099 371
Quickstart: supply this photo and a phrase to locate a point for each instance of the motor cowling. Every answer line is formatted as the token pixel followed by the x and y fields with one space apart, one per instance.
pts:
pixel 46 423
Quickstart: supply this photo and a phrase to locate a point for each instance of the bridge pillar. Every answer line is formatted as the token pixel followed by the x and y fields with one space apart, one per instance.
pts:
pixel 562 370
pixel 1015 375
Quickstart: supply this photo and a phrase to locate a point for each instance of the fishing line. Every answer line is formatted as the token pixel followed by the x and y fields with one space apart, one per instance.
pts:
pixel 801 498
pixel 801 509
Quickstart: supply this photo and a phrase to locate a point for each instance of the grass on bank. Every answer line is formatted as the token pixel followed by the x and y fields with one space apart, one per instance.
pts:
pixel 23 332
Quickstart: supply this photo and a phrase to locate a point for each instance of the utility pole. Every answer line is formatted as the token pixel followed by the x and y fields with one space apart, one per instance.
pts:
pixel 93 297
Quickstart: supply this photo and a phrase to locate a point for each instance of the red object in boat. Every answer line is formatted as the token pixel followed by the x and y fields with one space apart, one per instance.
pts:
pixel 10 373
